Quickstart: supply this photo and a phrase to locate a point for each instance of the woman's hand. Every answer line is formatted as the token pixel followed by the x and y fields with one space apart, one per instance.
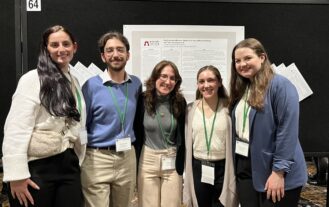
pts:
pixel 19 190
pixel 274 186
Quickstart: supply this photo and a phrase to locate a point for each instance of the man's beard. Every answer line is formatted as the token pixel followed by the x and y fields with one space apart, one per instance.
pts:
pixel 118 67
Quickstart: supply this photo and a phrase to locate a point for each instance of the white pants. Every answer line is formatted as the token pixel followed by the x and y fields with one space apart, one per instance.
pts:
pixel 156 187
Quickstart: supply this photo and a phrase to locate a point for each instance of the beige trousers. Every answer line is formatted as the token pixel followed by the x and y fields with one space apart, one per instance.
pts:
pixel 108 178
pixel 156 187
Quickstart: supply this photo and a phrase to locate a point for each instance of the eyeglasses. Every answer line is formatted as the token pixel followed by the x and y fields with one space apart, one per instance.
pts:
pixel 111 50
pixel 165 77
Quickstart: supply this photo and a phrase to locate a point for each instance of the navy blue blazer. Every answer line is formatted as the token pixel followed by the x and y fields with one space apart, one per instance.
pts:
pixel 274 142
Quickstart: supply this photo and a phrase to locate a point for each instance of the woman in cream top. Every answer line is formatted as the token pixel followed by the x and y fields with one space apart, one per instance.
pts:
pixel 44 137
pixel 209 176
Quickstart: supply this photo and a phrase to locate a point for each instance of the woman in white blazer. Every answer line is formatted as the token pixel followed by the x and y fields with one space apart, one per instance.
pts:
pixel 44 136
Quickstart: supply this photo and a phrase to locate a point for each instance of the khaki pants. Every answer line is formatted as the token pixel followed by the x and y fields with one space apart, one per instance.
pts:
pixel 156 187
pixel 108 178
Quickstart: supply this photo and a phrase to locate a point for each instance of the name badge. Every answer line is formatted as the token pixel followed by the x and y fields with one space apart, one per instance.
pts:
pixel 168 162
pixel 83 136
pixel 207 174
pixel 242 148
pixel 123 144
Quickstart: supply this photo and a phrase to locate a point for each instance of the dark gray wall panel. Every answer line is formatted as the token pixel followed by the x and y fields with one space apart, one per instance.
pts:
pixel 290 32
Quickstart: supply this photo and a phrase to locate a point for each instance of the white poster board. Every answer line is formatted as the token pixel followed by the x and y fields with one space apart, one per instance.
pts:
pixel 189 47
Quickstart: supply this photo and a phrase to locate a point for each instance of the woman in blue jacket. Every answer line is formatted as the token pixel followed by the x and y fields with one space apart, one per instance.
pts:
pixel 269 162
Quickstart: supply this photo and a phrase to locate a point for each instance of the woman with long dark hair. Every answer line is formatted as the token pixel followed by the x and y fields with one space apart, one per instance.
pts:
pixel 44 136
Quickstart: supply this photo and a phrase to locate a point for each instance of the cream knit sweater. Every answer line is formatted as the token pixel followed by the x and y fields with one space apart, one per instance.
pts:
pixel 26 115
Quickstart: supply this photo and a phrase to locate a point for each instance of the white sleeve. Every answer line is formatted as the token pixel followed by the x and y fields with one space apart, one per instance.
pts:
pixel 18 127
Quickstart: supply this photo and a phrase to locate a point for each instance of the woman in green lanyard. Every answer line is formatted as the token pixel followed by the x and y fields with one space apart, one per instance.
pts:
pixel 159 130
pixel 268 159
pixel 209 175
pixel 44 137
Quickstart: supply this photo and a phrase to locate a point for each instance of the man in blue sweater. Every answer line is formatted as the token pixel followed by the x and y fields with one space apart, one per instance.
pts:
pixel 108 172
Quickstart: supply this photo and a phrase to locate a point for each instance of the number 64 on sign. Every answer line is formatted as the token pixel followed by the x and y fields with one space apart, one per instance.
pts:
pixel 33 5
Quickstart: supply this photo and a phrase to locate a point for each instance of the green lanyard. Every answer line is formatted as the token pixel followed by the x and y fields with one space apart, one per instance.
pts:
pixel 79 100
pixel 245 111
pixel 121 115
pixel 208 141
pixel 77 94
pixel 165 135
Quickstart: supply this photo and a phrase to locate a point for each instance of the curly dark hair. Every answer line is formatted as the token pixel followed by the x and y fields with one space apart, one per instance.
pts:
pixel 177 100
